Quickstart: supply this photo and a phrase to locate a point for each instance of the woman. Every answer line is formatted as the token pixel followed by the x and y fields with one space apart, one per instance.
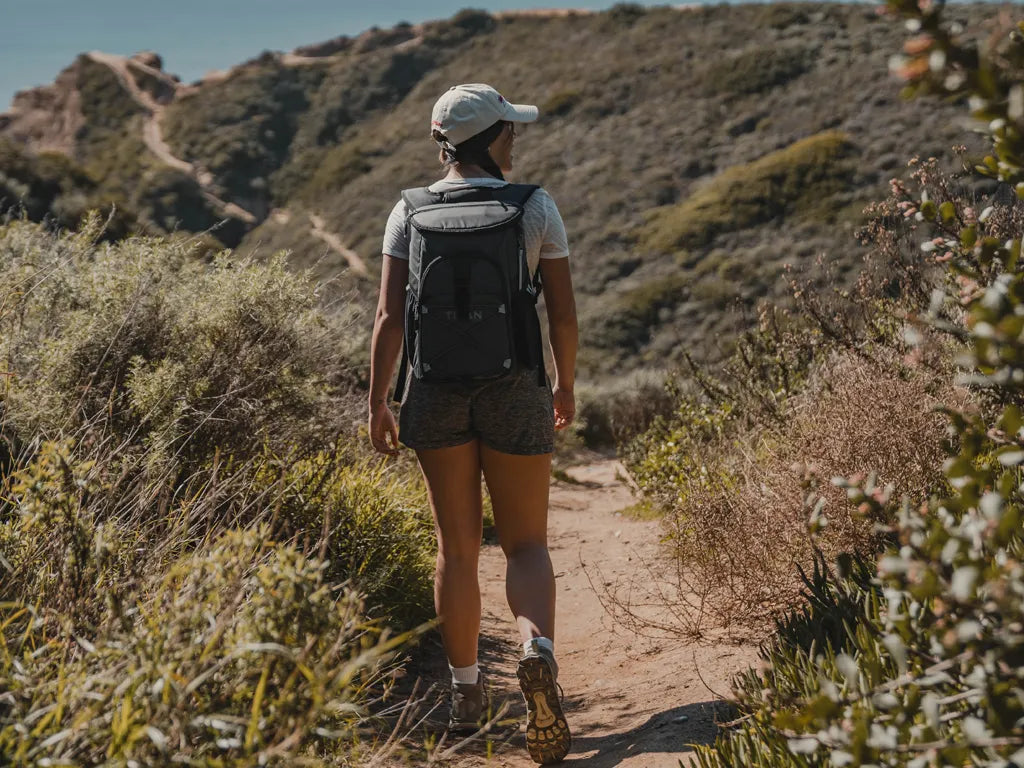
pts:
pixel 503 429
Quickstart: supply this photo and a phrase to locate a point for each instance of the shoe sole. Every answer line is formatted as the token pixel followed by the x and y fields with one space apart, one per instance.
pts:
pixel 461 727
pixel 547 733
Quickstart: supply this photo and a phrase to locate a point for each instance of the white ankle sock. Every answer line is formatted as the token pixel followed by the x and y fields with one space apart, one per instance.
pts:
pixel 468 674
pixel 540 642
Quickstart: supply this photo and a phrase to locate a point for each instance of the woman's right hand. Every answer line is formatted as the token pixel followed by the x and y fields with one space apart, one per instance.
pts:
pixel 564 405
pixel 382 426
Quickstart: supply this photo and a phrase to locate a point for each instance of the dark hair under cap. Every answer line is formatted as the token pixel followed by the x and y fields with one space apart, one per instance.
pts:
pixel 474 150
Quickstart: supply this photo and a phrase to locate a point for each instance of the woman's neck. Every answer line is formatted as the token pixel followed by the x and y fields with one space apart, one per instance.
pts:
pixel 467 171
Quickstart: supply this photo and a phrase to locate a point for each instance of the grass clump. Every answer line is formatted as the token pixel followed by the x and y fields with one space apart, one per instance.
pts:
pixel 372 525
pixel 239 654
pixel 796 180
pixel 627 323
pixel 755 70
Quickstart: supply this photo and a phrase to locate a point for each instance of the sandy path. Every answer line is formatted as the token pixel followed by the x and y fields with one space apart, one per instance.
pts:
pixel 631 701
pixel 355 261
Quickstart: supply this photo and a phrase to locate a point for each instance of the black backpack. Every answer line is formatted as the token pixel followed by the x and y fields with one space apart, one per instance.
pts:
pixel 471 302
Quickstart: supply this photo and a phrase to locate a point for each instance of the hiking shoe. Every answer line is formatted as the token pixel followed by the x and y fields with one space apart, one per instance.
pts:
pixel 547 733
pixel 468 704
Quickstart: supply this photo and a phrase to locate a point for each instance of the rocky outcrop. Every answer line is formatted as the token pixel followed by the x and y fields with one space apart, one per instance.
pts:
pixel 48 118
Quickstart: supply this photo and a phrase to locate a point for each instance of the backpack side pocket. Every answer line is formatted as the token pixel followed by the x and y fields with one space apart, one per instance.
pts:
pixel 529 353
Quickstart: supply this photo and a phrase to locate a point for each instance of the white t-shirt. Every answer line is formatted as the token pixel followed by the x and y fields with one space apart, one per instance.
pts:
pixel 542 223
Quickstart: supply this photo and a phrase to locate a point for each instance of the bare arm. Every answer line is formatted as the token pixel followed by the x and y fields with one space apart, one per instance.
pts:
pixel 385 347
pixel 563 333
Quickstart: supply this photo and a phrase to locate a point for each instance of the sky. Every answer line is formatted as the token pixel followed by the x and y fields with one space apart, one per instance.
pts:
pixel 39 38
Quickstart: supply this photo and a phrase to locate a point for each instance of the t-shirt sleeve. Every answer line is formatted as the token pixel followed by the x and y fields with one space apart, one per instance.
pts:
pixel 554 243
pixel 396 238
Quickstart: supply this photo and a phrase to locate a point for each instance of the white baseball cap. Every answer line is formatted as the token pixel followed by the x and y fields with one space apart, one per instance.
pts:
pixel 465 110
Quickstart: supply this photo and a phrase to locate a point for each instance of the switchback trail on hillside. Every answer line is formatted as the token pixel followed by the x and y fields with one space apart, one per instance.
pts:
pixel 630 700
pixel 152 134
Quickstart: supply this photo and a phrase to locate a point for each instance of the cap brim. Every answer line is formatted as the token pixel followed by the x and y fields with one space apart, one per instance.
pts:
pixel 521 113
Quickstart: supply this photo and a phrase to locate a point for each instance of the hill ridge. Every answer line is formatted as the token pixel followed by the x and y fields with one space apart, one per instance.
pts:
pixel 642 110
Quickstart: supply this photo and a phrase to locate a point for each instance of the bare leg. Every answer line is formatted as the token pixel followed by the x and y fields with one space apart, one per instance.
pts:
pixel 519 493
pixel 453 483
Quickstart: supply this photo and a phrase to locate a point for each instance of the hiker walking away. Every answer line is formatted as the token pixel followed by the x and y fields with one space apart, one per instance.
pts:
pixel 465 260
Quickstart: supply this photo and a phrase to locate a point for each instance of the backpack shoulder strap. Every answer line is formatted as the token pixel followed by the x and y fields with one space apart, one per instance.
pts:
pixel 517 194
pixel 418 197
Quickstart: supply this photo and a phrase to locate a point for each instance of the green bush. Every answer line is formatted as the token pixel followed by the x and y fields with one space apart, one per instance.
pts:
pixel 106 105
pixel 798 180
pixel 51 187
pixel 372 526
pixel 627 323
pixel 240 654
pixel 194 394
pixel 756 69
pixel 179 357
pixel 241 128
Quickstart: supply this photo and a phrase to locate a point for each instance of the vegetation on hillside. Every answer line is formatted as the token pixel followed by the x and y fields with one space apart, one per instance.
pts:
pixel 874 439
pixel 50 186
pixel 800 179
pixel 199 564
pixel 337 129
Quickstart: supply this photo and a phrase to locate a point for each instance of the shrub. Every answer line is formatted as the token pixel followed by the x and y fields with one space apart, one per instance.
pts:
pixel 926 671
pixel 625 14
pixel 337 168
pixel 561 103
pixel 614 414
pixel 242 127
pixel 106 105
pixel 782 15
pixel 627 323
pixel 756 69
pixel 796 180
pixel 240 654
pixel 187 396
pixel 52 187
pixel 170 353
pixel 737 519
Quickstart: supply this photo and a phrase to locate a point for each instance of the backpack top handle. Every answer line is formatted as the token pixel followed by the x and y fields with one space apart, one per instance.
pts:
pixel 420 197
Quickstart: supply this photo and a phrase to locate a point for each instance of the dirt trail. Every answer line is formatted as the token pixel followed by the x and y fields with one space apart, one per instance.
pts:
pixel 631 701
pixel 152 135
pixel 355 261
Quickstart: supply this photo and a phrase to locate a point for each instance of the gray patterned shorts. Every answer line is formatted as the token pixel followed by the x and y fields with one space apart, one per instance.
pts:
pixel 511 415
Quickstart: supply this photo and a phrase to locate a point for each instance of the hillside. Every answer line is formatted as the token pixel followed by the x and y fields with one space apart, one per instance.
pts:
pixel 694 152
